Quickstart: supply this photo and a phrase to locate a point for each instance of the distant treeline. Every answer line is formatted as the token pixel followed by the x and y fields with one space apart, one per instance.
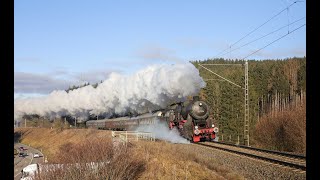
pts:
pixel 73 87
pixel 274 86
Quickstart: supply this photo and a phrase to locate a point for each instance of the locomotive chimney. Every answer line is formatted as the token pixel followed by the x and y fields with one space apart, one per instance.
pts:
pixel 195 98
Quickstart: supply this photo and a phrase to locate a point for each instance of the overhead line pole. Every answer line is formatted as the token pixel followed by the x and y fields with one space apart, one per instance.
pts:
pixel 246 96
pixel 246 103
pixel 246 119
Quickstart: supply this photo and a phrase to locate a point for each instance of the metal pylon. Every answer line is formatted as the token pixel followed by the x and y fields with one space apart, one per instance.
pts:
pixel 246 96
pixel 246 107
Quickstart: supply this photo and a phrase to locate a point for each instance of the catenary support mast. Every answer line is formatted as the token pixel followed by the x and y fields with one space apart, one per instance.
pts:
pixel 246 106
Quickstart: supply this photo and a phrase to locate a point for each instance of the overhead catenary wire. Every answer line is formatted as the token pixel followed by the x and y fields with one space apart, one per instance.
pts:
pixel 221 76
pixel 246 89
pixel 249 56
pixel 287 16
pixel 288 19
pixel 274 41
pixel 258 27
pixel 262 36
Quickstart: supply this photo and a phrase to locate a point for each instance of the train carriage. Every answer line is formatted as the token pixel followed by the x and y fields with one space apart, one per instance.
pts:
pixel 191 118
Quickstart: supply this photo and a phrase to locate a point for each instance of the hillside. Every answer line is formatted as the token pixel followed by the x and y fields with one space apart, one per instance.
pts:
pixel 142 160
pixel 275 86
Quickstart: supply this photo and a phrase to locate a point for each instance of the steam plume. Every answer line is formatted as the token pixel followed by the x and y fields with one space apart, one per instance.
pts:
pixel 149 89
pixel 161 131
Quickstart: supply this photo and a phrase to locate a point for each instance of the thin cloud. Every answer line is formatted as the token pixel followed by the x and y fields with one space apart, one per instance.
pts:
pixel 59 72
pixel 192 42
pixel 158 53
pixel 298 51
pixel 25 82
pixel 27 59
pixel 93 76
pixel 37 83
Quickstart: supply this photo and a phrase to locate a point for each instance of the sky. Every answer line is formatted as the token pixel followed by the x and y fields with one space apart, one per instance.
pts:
pixel 61 43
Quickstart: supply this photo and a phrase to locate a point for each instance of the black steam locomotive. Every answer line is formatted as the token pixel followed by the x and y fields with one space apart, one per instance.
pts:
pixel 191 118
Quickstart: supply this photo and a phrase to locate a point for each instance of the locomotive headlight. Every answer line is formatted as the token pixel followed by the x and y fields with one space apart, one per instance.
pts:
pixel 213 125
pixel 196 127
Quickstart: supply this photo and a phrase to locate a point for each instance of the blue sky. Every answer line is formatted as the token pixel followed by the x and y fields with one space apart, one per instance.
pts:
pixel 58 43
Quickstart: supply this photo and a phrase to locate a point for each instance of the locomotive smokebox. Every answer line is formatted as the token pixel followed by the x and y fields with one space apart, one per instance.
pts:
pixel 199 110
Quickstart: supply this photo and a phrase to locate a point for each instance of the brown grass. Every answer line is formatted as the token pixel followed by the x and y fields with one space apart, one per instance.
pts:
pixel 141 160
pixel 119 162
pixel 50 140
pixel 179 161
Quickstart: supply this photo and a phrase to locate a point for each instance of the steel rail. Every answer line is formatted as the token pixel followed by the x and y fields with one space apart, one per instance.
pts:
pixel 297 166
pixel 297 156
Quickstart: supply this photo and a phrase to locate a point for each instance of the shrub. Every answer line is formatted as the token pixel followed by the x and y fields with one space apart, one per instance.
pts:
pixel 119 162
pixel 284 132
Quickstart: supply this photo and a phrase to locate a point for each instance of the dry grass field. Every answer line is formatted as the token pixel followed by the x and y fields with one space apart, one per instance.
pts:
pixel 140 160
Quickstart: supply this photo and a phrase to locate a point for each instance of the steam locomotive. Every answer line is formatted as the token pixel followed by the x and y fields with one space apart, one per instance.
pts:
pixel 191 118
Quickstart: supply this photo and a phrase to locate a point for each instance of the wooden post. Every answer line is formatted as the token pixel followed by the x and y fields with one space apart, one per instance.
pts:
pixel 238 140
pixel 126 136
pixel 174 171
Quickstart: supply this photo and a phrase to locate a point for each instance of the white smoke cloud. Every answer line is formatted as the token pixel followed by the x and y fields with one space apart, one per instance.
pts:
pixel 149 89
pixel 161 131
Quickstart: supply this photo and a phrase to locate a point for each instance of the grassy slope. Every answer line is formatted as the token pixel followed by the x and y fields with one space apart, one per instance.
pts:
pixel 50 140
pixel 163 160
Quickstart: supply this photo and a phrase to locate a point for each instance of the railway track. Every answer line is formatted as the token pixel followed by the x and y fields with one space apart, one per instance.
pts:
pixel 275 157
pixel 297 156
